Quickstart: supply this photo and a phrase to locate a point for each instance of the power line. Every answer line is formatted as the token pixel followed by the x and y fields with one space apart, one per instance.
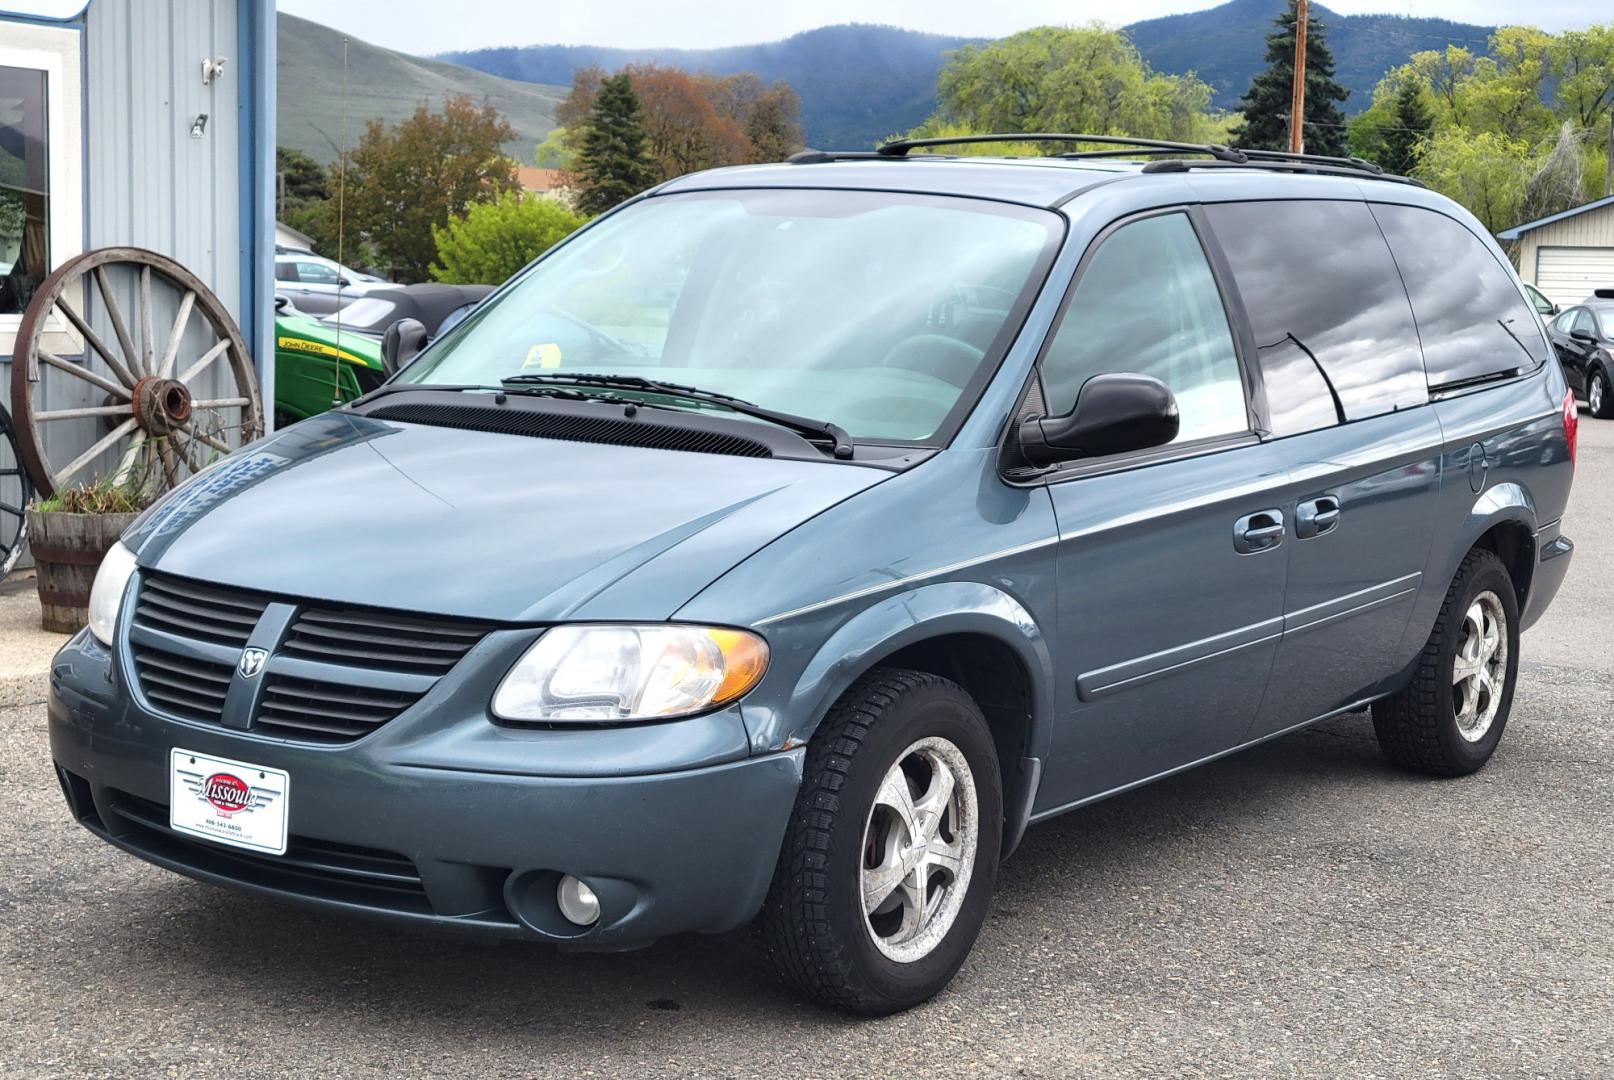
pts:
pixel 1330 28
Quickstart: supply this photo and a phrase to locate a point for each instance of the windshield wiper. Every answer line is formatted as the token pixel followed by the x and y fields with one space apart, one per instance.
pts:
pixel 813 430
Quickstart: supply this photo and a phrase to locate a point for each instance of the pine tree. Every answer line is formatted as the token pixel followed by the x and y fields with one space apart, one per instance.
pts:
pixel 1266 104
pixel 1413 121
pixel 614 164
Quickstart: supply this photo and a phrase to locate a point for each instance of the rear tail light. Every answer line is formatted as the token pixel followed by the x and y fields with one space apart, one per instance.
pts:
pixel 1571 423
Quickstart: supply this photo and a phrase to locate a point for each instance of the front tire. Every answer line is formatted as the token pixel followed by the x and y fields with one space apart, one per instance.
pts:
pixel 1599 395
pixel 1450 718
pixel 891 853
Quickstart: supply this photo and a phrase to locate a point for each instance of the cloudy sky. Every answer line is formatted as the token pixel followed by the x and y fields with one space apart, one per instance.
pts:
pixel 428 26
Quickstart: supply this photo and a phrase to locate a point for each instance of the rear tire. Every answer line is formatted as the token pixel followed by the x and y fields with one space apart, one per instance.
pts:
pixel 1599 395
pixel 1450 718
pixel 867 804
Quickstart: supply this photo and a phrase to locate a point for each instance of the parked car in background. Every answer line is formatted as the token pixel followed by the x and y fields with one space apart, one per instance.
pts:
pixel 784 543
pixel 1540 301
pixel 1583 337
pixel 318 286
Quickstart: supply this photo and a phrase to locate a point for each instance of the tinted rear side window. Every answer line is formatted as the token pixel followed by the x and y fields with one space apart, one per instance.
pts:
pixel 1471 317
pixel 1324 299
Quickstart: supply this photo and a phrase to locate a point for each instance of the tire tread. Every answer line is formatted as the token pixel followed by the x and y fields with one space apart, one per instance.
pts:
pixel 1407 724
pixel 794 925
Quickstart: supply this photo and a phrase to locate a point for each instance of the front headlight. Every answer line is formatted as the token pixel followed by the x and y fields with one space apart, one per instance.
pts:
pixel 610 673
pixel 106 595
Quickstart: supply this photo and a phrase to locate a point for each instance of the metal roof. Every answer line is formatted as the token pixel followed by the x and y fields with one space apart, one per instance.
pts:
pixel 1519 230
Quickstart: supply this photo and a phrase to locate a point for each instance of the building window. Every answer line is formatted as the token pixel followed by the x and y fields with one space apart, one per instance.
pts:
pixel 41 168
pixel 24 187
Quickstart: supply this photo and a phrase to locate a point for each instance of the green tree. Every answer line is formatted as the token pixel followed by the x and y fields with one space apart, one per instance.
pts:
pixel 493 240
pixel 302 179
pixel 1484 170
pixel 1411 123
pixel 1266 104
pixel 403 181
pixel 614 162
pixel 1081 79
pixel 556 151
pixel 772 123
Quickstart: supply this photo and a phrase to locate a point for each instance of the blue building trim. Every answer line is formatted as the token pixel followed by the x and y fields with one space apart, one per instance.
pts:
pixel 255 20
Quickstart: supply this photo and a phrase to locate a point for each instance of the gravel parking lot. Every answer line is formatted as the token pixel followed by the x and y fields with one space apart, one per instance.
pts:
pixel 1300 909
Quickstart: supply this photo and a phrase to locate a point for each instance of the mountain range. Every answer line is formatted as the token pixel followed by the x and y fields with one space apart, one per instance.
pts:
pixel 858 83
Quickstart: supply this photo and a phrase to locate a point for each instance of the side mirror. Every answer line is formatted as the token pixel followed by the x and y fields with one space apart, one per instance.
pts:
pixel 1114 413
pixel 1584 336
pixel 402 342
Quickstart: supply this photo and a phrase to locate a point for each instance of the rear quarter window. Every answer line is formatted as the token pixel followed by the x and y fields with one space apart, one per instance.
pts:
pixel 1326 306
pixel 1472 318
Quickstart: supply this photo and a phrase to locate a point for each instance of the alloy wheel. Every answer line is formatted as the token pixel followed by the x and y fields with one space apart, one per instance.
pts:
pixel 919 847
pixel 1479 670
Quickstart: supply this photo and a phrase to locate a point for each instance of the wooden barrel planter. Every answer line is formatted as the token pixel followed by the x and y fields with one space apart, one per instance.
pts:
pixel 68 549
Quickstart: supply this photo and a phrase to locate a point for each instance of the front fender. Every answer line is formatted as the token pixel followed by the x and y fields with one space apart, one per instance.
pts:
pixel 791 709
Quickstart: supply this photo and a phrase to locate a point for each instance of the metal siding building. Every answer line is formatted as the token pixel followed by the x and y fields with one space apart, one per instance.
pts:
pixel 128 93
pixel 1567 255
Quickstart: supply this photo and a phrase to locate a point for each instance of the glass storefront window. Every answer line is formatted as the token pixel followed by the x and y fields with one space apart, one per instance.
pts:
pixel 24 187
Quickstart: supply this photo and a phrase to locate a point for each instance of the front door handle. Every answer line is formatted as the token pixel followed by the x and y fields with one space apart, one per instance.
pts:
pixel 1260 531
pixel 1316 516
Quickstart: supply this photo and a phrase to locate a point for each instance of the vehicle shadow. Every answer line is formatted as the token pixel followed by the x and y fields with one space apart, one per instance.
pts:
pixel 258 954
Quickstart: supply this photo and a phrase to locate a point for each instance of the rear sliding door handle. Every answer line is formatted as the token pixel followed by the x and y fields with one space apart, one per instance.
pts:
pixel 1260 531
pixel 1316 516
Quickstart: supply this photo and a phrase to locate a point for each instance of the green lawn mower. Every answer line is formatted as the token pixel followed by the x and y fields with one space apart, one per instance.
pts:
pixel 319 366
pixel 322 362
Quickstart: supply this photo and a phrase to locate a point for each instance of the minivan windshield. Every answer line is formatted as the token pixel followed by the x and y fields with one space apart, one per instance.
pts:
pixel 883 313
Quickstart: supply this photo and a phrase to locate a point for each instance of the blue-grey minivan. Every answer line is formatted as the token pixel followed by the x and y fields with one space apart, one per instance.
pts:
pixel 786 542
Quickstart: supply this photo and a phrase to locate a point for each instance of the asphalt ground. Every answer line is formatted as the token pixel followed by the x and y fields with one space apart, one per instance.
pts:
pixel 1297 910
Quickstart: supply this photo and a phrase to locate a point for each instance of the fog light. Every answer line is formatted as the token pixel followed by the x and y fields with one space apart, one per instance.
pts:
pixel 577 901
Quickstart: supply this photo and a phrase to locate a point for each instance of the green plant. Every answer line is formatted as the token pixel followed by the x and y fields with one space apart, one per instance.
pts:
pixel 102 496
pixel 493 240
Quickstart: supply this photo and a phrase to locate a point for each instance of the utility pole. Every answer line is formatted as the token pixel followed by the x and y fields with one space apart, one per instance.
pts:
pixel 1297 100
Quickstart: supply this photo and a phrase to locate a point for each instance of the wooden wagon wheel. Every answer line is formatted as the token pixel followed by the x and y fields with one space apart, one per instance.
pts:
pixel 15 493
pixel 141 402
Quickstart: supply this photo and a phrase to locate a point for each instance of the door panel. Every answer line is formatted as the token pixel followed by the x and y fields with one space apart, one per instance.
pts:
pixel 1354 577
pixel 1166 632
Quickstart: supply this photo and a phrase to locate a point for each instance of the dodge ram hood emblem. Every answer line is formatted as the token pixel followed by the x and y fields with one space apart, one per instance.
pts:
pixel 251 662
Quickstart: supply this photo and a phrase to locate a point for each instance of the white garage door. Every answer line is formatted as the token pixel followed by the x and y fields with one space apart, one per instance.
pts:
pixel 1569 274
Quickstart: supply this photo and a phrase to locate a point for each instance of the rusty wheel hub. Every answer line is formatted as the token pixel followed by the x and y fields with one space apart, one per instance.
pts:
pixel 161 406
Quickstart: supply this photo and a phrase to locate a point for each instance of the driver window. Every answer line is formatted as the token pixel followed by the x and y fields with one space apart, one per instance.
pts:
pixel 1147 302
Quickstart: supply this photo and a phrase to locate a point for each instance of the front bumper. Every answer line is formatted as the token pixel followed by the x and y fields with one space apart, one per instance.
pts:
pixel 429 822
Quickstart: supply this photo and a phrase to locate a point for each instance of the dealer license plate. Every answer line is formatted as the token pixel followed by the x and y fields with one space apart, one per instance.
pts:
pixel 229 802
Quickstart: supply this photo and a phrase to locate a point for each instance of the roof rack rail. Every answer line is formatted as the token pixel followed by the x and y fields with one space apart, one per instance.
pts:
pixel 1301 164
pixel 899 147
pixel 1226 157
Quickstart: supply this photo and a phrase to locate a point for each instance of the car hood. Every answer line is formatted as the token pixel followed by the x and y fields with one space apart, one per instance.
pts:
pixel 351 509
